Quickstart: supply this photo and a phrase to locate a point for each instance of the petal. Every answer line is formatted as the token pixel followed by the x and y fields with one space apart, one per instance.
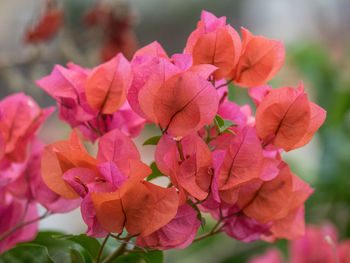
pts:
pixel 109 211
pixel 184 104
pixel 178 233
pixel 260 60
pixel 220 48
pixel 106 85
pixel 243 161
pixel 117 147
pixel 283 118
pixel 317 118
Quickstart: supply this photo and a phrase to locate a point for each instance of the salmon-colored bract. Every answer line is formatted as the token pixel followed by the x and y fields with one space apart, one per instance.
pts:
pixel 260 60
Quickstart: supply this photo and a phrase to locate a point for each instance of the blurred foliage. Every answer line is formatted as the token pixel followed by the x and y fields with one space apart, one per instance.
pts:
pixel 331 84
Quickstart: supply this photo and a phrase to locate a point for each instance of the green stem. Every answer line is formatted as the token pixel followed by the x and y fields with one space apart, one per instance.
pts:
pixel 212 232
pixel 120 251
pixel 101 248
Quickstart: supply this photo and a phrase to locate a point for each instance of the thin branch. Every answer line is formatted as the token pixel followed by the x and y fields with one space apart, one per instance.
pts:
pixel 14 229
pixel 101 248
pixel 207 235
pixel 120 251
pixel 212 232
pixel 122 238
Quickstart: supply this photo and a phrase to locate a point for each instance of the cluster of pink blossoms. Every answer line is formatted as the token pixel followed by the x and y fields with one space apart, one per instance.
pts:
pixel 318 245
pixel 218 157
pixel 21 185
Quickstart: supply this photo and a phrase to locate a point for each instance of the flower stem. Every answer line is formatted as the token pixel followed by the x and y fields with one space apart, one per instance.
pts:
pixel 120 251
pixel 101 248
pixel 23 224
pixel 212 232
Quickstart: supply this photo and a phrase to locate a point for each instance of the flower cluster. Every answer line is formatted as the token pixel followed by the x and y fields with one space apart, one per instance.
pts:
pixel 318 245
pixel 218 157
pixel 21 185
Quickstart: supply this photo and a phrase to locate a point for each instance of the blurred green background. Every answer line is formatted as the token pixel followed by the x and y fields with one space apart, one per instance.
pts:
pixel 317 39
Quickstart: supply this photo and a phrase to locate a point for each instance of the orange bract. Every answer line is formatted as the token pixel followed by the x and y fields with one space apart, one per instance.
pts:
pixel 58 158
pixel 139 206
pixel 260 60
pixel 287 119
pixel 243 160
pixel 276 199
pixel 107 84
pixel 185 103
pixel 219 49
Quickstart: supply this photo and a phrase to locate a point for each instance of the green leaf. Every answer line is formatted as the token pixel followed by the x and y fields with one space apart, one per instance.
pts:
pixel 26 253
pixel 152 141
pixel 155 172
pixel 129 258
pixel 154 256
pixel 90 244
pixel 76 257
pixel 229 131
pixel 59 249
pixel 219 120
pixel 227 124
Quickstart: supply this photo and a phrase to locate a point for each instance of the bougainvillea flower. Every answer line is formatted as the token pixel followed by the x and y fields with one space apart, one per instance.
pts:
pixel 178 233
pixel 112 186
pixel 343 251
pixel 244 228
pixel 290 227
pixel 22 118
pixel 313 247
pixel 182 105
pixel 115 146
pixel 271 256
pixel 191 169
pixel 260 60
pixel 126 120
pixel 47 25
pixel 243 161
pixel 12 213
pixel 140 207
pixel 258 93
pixel 68 88
pixel 269 169
pixel 61 156
pixel 152 62
pixel 106 85
pixel 2 140
pixel 151 68
pixel 214 43
pixel 286 119
pixel 154 49
pixel 275 199
pixel 28 183
pixel 319 244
